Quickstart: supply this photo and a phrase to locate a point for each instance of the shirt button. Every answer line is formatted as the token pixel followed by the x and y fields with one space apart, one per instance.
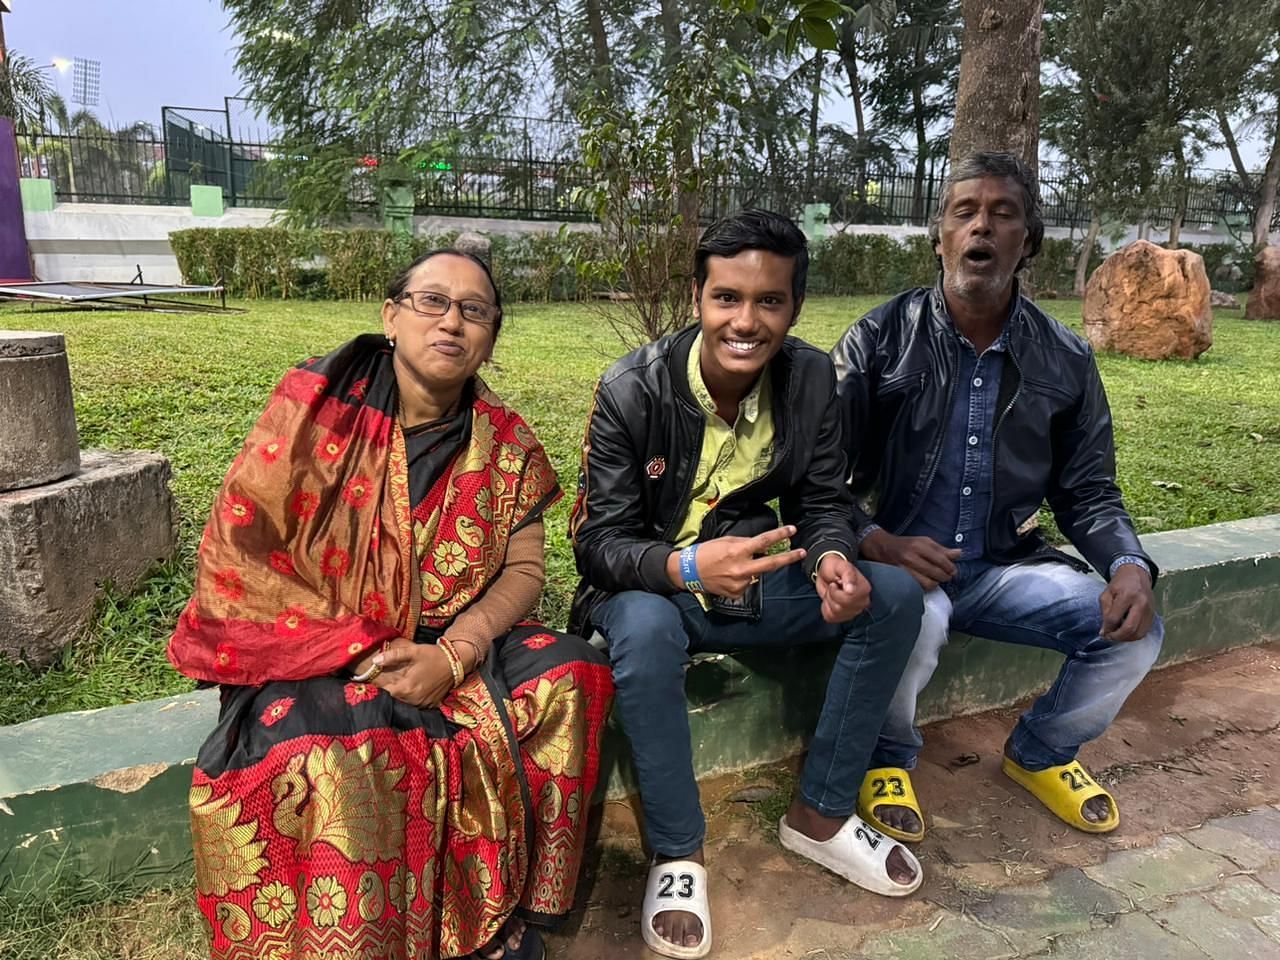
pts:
pixel 973 441
pixel 966 490
pixel 959 538
pixel 977 381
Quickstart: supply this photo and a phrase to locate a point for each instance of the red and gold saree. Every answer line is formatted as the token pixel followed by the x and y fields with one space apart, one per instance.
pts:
pixel 329 819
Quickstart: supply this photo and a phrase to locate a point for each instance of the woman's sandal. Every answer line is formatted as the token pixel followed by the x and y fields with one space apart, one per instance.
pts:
pixel 1064 790
pixel 676 885
pixel 857 852
pixel 889 786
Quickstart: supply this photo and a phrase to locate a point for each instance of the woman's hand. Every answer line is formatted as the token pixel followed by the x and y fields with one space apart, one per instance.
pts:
pixel 414 673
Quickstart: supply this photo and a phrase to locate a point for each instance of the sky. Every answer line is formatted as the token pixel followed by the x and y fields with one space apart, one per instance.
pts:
pixel 157 53
pixel 154 53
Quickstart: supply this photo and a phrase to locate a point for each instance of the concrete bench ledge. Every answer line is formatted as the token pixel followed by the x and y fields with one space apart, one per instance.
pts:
pixel 103 792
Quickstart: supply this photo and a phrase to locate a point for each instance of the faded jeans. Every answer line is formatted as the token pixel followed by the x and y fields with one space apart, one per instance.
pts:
pixel 650 638
pixel 1050 605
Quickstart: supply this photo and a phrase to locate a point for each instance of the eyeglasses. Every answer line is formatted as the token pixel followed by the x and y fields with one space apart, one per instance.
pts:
pixel 431 304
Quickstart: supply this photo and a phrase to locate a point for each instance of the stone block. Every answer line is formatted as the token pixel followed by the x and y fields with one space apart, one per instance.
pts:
pixel 1033 917
pixel 39 442
pixel 951 936
pixel 1135 936
pixel 101 794
pixel 1246 899
pixel 1251 841
pixel 1218 935
pixel 1169 868
pixel 61 541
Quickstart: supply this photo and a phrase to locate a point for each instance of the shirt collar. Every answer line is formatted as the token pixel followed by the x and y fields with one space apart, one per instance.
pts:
pixel 748 407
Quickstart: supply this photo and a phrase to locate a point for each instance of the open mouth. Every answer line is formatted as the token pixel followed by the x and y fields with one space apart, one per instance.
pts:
pixel 742 346
pixel 978 256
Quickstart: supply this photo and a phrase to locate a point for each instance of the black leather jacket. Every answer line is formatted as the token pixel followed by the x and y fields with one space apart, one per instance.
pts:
pixel 642 445
pixel 1053 440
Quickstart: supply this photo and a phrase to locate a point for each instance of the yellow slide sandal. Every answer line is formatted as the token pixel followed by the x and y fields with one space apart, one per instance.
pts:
pixel 889 786
pixel 1064 790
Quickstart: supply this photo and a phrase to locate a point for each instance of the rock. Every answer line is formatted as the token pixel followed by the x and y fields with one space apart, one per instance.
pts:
pixel 476 244
pixel 1264 298
pixel 1228 271
pixel 1218 298
pixel 60 541
pixel 1149 302
pixel 39 443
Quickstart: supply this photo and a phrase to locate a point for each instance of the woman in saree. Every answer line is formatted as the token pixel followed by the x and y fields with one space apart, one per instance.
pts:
pixel 403 763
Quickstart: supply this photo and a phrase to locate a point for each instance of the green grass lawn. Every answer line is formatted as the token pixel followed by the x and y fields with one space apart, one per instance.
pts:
pixel 190 386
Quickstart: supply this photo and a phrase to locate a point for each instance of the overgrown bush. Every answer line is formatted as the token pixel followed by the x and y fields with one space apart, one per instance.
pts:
pixel 1219 258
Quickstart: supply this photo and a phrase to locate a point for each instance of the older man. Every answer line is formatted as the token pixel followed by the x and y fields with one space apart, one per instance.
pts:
pixel 969 407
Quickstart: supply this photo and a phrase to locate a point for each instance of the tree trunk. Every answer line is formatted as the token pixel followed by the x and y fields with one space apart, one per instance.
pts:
pixel 1229 138
pixel 1082 261
pixel 815 105
pixel 601 63
pixel 1267 199
pixel 848 52
pixel 1180 198
pixel 998 99
pixel 922 144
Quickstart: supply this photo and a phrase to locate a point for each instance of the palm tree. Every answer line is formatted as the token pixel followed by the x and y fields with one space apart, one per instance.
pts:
pixel 24 90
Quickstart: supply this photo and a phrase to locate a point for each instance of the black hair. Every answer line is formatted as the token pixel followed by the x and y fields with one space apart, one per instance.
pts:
pixel 990 164
pixel 754 230
pixel 396 288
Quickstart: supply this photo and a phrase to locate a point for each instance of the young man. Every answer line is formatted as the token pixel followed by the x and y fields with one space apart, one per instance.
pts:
pixel 969 407
pixel 689 440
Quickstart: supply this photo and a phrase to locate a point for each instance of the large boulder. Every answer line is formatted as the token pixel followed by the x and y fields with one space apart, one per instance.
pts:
pixel 1149 302
pixel 1264 298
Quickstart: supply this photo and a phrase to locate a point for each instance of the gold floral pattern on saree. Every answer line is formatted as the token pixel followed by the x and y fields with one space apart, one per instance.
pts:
pixel 275 904
pixel 231 851
pixel 345 798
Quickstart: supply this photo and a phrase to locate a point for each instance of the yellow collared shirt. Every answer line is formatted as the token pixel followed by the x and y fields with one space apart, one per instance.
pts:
pixel 732 456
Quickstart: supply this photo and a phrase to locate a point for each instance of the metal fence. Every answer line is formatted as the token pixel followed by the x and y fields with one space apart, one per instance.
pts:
pixel 500 174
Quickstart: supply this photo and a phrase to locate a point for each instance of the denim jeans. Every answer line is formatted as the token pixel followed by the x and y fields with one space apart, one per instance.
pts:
pixel 650 639
pixel 1050 605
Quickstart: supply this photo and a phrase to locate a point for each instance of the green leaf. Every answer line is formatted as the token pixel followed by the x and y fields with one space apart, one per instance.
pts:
pixel 822 10
pixel 793 36
pixel 764 26
pixel 820 33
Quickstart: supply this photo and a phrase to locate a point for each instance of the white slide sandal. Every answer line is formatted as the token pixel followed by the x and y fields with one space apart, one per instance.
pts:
pixel 676 885
pixel 857 852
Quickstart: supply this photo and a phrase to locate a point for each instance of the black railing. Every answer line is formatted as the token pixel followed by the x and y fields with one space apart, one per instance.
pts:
pixel 126 168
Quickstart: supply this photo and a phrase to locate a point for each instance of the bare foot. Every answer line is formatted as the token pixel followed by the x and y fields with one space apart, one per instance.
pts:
pixel 1096 809
pixel 513 930
pixel 817 827
pixel 900 818
pixel 680 927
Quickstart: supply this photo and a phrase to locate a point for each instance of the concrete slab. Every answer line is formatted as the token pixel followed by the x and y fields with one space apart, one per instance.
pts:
pixel 946 935
pixel 1170 867
pixel 1135 936
pixel 1219 936
pixel 1031 918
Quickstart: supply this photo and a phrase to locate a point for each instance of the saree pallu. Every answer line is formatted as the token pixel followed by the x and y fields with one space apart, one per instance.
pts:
pixel 328 819
pixel 331 820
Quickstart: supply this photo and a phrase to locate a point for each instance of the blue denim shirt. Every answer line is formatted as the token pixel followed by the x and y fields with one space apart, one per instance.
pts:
pixel 954 512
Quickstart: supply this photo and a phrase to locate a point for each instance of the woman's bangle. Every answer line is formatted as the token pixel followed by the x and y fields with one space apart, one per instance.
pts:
pixel 368 675
pixel 475 648
pixel 455 661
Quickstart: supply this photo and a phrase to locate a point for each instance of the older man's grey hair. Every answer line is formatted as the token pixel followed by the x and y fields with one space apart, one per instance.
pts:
pixel 989 164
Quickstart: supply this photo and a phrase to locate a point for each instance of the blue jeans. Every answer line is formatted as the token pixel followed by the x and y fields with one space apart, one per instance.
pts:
pixel 650 639
pixel 1050 605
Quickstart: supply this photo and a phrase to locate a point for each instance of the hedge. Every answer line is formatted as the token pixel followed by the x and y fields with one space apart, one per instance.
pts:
pixel 257 262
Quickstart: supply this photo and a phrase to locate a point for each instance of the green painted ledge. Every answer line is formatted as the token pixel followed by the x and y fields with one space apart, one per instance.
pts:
pixel 102 793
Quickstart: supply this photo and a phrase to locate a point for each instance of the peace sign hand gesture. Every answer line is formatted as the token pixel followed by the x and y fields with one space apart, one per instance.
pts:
pixel 728 565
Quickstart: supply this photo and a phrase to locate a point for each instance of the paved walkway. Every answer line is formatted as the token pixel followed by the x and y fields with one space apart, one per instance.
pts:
pixel 1213 892
pixel 1192 872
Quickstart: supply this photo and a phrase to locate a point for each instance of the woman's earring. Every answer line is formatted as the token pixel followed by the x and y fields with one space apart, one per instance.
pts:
pixel 392 342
